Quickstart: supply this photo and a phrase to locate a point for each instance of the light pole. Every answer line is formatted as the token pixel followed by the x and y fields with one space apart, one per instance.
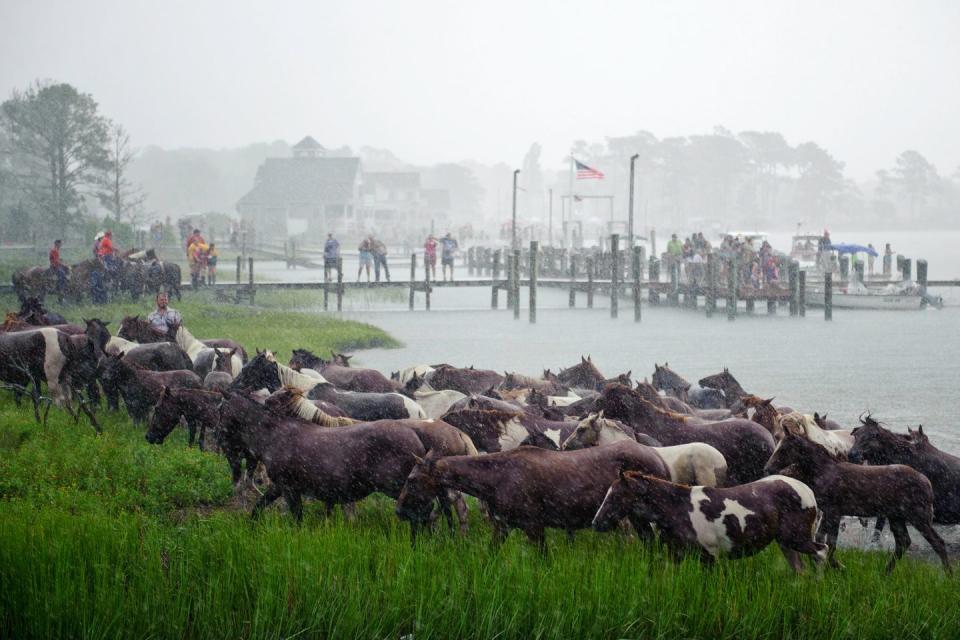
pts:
pixel 516 172
pixel 633 161
pixel 550 223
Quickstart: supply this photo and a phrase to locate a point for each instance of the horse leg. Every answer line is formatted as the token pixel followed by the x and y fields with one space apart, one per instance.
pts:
pixel 902 538
pixel 191 432
pixel 793 558
pixel 235 471
pixel 642 527
pixel 926 529
pixel 460 506
pixel 795 536
pixel 273 492
pixel 500 532
pixel 830 531
pixel 878 529
pixel 295 503
pixel 537 536
pixel 445 507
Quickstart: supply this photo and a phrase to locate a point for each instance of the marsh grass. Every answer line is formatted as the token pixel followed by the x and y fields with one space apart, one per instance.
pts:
pixel 110 537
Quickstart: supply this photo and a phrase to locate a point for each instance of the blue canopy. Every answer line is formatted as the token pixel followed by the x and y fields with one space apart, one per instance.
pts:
pixel 844 247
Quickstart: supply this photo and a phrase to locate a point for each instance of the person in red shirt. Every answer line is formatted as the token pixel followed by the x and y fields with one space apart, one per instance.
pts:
pixel 57 266
pixel 195 237
pixel 105 251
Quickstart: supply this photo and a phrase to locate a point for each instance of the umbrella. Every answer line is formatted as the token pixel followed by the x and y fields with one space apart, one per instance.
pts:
pixel 844 247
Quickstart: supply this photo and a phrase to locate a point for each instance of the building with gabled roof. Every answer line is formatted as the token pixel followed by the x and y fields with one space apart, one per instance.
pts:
pixel 309 194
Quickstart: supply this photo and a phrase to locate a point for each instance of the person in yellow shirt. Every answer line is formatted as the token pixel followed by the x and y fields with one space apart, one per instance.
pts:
pixel 212 255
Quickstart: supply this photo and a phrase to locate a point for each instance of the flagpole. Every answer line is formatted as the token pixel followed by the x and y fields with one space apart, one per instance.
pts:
pixel 569 203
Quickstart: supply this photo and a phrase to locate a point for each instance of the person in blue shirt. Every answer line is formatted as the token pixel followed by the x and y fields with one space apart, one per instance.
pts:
pixel 331 251
pixel 448 248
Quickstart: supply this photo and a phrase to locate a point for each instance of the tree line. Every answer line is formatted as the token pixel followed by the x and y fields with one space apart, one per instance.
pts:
pixel 59 154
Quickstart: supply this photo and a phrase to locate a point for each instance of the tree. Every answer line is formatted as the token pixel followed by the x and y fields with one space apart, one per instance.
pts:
pixel 914 178
pixel 465 191
pixel 119 196
pixel 821 186
pixel 64 139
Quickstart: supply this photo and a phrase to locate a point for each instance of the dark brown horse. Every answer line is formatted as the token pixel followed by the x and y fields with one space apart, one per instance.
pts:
pixel 584 375
pixel 736 521
pixel 671 403
pixel 877 446
pixel 335 466
pixel 896 492
pixel 35 282
pixel 140 388
pixel 532 489
pixel 673 384
pixel 344 377
pixel 198 407
pixel 467 381
pixel 746 445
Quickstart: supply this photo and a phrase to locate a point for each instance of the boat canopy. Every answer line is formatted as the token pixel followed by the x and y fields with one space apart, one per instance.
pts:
pixel 844 247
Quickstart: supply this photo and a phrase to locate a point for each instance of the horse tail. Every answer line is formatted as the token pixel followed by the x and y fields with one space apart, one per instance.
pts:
pixel 468 444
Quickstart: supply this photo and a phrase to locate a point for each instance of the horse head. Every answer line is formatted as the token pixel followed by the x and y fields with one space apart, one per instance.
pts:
pixel 341 359
pixel 876 445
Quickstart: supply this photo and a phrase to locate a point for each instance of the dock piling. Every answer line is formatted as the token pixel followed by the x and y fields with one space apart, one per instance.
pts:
pixel 589 283
pixel 495 289
pixel 828 296
pixel 615 275
pixel 413 277
pixel 573 281
pixel 339 283
pixel 922 281
pixel 802 293
pixel 637 262
pixel 731 289
pixel 534 248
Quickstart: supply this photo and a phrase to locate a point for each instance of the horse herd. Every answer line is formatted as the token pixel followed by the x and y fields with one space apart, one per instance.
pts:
pixel 712 470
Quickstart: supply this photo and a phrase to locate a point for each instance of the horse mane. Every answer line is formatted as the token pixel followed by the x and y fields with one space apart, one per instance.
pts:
pixel 666 484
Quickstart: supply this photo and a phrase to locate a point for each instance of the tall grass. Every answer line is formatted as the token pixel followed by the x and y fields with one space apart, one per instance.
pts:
pixel 109 537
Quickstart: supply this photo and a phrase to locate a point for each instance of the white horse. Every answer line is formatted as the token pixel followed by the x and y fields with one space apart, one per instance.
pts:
pixel 421 370
pixel 563 401
pixel 312 413
pixel 694 463
pixel 837 442
pixel 196 349
pixel 435 403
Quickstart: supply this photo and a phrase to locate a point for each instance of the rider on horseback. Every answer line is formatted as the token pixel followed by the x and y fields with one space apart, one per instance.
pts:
pixel 57 266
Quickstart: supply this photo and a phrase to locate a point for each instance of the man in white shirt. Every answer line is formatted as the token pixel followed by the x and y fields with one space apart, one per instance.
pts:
pixel 163 316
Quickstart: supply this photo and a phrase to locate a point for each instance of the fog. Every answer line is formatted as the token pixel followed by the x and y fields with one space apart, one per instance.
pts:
pixel 428 83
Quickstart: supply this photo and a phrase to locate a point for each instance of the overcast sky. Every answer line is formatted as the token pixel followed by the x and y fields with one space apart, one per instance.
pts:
pixel 449 80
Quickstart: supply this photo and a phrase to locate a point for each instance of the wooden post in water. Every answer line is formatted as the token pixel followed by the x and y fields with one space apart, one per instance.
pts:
pixel 250 274
pixel 792 282
pixel 614 275
pixel 654 293
pixel 239 268
pixel 710 303
pixel 731 289
pixel 413 279
pixel 339 283
pixel 802 293
pixel 573 280
pixel 922 281
pixel 293 253
pixel 590 283
pixel 470 257
pixel 907 269
pixel 534 248
pixel 637 261
pixel 750 305
pixel 426 289
pixel 828 296
pixel 653 243
pixel 495 289
pixel 516 284
pixel 845 268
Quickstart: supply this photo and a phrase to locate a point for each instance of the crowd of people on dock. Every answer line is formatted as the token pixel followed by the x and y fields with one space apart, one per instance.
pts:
pixel 373 253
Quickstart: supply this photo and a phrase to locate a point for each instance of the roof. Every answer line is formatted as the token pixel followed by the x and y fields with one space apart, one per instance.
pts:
pixel 390 180
pixel 282 181
pixel 308 143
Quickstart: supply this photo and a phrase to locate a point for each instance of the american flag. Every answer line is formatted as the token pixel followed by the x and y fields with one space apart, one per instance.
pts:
pixel 587 173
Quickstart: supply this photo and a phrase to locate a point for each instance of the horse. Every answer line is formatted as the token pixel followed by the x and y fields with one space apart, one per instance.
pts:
pixel 341 375
pixel 34 282
pixel 895 492
pixel 726 383
pixel 337 466
pixel 200 354
pixel 140 388
pixel 513 381
pixel 221 377
pixel 139 330
pixel 672 403
pixel 837 442
pixel 159 275
pixel 583 375
pixel 466 381
pixel 404 375
pixel 710 522
pixel 745 445
pixel 289 401
pixel 878 446
pixel 29 357
pixel 693 463
pixel 435 403
pixel 531 489
pixel 33 312
pixel 494 430
pixel 199 407
pixel 666 379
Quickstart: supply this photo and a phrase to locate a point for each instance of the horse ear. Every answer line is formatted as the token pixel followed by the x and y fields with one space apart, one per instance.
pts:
pixel 725 370
pixel 629 373
pixel 582 359
pixel 816 417
pixel 600 415
pixel 417 459
pixel 770 400
pixel 920 431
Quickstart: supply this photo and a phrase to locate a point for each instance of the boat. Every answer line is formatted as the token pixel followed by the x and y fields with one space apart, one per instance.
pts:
pixel 804 248
pixel 902 296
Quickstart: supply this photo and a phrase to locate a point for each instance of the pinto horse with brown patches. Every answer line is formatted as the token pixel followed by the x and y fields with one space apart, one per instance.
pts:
pixel 896 492
pixel 495 430
pixel 734 522
pixel 532 489
pixel 745 445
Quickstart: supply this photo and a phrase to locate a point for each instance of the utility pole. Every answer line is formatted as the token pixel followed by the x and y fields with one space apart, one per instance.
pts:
pixel 633 161
pixel 550 219
pixel 516 172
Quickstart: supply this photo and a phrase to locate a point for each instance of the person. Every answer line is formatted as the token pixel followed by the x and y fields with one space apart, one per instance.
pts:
pixel 380 259
pixel 430 256
pixel 105 252
pixel 448 247
pixel 57 267
pixel 366 257
pixel 163 317
pixel 674 251
pixel 887 261
pixel 331 252
pixel 197 254
pixel 870 259
pixel 212 255
pixel 98 286
pixel 194 238
pixel 96 244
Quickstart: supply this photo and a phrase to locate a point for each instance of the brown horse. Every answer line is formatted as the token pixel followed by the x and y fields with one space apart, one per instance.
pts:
pixel 221 377
pixel 34 282
pixel 336 466
pixel 583 375
pixel 744 444
pixel 467 381
pixel 199 407
pixel 896 492
pixel 137 329
pixel 671 403
pixel 343 376
pixel 710 522
pixel 140 388
pixel 494 430
pixel 532 489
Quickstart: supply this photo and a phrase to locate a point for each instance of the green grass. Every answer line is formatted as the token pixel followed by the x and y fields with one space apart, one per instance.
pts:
pixel 110 537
